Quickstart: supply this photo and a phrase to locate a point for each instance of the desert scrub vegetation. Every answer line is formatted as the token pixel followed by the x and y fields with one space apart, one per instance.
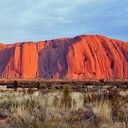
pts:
pixel 64 109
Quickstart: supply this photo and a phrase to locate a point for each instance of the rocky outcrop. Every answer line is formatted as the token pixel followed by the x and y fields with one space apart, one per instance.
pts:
pixel 81 57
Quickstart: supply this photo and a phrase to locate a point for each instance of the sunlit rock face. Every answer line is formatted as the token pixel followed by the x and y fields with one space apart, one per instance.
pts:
pixel 81 57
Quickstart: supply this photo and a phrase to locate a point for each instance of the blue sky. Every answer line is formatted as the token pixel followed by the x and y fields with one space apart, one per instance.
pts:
pixel 35 20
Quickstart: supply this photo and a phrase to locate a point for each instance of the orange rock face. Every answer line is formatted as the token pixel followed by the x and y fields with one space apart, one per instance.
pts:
pixel 81 57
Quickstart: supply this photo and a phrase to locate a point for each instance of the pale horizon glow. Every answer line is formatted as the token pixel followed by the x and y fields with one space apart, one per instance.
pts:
pixel 36 20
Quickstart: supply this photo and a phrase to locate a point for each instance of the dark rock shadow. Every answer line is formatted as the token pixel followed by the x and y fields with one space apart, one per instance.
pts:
pixel 5 55
pixel 52 59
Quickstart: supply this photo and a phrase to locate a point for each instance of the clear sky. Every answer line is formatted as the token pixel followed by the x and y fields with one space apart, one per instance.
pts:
pixel 35 20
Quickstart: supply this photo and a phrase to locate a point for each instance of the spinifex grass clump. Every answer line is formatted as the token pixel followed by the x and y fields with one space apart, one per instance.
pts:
pixel 66 97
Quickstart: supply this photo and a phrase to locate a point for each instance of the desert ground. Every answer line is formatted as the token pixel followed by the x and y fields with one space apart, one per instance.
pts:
pixel 40 103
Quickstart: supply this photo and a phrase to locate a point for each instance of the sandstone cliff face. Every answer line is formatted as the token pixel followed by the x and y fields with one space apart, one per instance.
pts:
pixel 81 57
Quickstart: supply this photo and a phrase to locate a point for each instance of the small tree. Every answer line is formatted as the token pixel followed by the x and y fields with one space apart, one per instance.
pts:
pixel 38 86
pixel 100 91
pixel 15 83
pixel 101 80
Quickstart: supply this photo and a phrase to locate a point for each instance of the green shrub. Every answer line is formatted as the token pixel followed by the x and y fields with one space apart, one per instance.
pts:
pixel 66 97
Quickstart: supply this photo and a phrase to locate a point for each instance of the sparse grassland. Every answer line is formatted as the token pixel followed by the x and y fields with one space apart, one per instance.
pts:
pixel 64 106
